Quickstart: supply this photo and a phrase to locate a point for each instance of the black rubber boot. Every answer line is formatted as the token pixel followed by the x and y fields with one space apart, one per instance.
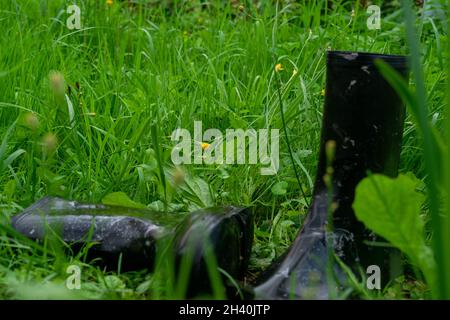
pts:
pixel 364 117
pixel 132 237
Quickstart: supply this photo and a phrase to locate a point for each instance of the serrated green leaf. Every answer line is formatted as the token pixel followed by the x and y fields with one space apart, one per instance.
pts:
pixel 391 208
pixel 112 282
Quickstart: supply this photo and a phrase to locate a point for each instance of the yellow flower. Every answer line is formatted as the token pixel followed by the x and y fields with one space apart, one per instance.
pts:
pixel 322 93
pixel 109 2
pixel 205 146
pixel 278 67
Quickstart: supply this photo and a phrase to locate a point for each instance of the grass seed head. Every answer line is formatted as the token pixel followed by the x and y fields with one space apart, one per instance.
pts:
pixel 178 176
pixel 31 121
pixel 49 143
pixel 57 83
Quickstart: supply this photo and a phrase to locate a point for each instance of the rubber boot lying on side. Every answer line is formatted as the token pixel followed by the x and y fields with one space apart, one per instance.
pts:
pixel 364 117
pixel 132 237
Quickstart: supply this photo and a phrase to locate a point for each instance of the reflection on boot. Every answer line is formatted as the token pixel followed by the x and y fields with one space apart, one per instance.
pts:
pixel 363 116
pixel 131 237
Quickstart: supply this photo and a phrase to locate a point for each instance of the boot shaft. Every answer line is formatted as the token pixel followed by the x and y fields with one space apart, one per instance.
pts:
pixel 364 116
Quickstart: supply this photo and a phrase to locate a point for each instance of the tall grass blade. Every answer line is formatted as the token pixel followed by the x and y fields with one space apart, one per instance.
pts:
pixel 439 222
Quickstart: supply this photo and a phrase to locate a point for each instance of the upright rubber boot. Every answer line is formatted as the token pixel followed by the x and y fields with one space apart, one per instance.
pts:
pixel 364 116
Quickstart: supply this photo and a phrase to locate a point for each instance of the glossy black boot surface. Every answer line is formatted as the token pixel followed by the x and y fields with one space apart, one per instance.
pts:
pixel 132 237
pixel 114 231
pixel 226 235
pixel 364 117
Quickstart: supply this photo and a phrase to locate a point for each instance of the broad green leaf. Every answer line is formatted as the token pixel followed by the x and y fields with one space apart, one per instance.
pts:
pixel 112 282
pixel 197 190
pixel 279 188
pixel 122 200
pixel 391 208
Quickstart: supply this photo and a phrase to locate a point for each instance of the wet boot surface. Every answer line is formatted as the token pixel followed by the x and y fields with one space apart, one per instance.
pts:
pixel 364 118
pixel 132 237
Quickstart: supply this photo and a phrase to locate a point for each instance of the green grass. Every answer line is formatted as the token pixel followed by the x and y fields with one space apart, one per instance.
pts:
pixel 436 164
pixel 144 71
